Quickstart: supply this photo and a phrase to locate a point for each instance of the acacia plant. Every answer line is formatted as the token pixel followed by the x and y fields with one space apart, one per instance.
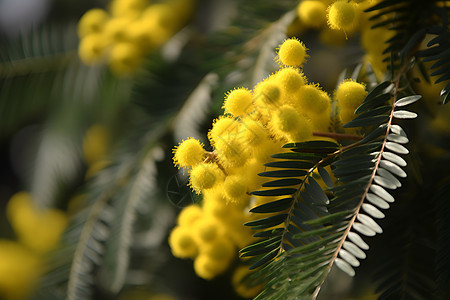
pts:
pixel 308 135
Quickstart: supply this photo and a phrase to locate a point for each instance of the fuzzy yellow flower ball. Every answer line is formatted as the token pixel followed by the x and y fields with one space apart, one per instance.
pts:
pixel 230 150
pixel 221 126
pixel 92 48
pixel 182 243
pixel 346 115
pixel 189 215
pixel 189 153
pixel 312 99
pixel 92 22
pixel 207 268
pixel 220 249
pixel 241 286
pixel 207 230
pixel 253 132
pixel 312 13
pixel 290 79
pixel 238 102
pixel 267 93
pixel 124 58
pixel 350 94
pixel 236 188
pixel 342 14
pixel 292 52
pixel 203 176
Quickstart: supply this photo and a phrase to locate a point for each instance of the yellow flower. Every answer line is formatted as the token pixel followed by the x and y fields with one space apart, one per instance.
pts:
pixel 182 242
pixel 287 122
pixel 253 132
pixel 312 13
pixel 92 48
pixel 290 79
pixel 221 126
pixel 116 30
pixel 207 267
pixel 236 188
pixel 39 230
pixel 238 102
pixel 95 144
pixel 20 270
pixel 92 22
pixel 189 215
pixel 342 14
pixel 189 153
pixel 241 286
pixel 204 176
pixel 207 229
pixel 312 99
pixel 350 94
pixel 127 8
pixel 125 58
pixel 292 52
pixel 231 151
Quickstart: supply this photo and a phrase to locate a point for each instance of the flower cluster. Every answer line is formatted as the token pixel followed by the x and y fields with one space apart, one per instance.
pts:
pixel 22 261
pixel 339 19
pixel 280 109
pixel 127 32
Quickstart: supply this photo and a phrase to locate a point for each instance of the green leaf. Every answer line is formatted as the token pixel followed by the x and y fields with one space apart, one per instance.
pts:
pixel 373 211
pixel 404 114
pixel 269 233
pixel 339 216
pixel 349 258
pixel 398 138
pixel 393 168
pixel 386 174
pixel 363 229
pixel 394 158
pixel 369 222
pixel 314 189
pixel 261 244
pixel 282 182
pixel 268 257
pixel 366 121
pixel 344 266
pixel 396 148
pixel 372 198
pixel 284 173
pixel 313 145
pixel 291 164
pixel 299 156
pixel 384 182
pixel 355 238
pixel 374 133
pixel 371 102
pixel 382 193
pixel 353 249
pixel 326 177
pixel 267 222
pixel 274 206
pixel 275 192
pixel 407 100
pixel 319 232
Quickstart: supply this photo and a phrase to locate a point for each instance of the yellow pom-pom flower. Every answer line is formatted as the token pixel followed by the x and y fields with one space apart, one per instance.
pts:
pixel 207 268
pixel 267 93
pixel 127 8
pixel 292 52
pixel 92 48
pixel 189 153
pixel 95 144
pixel 92 22
pixel 350 94
pixel 38 230
pixel 238 102
pixel 116 30
pixel 312 99
pixel 220 249
pixel 214 203
pixel 290 79
pixel 124 58
pixel 346 115
pixel 204 176
pixel 20 270
pixel 189 215
pixel 236 188
pixel 182 243
pixel 207 229
pixel 342 14
pixel 231 151
pixel 221 126
pixel 241 286
pixel 312 13
pixel 290 124
pixel 253 132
